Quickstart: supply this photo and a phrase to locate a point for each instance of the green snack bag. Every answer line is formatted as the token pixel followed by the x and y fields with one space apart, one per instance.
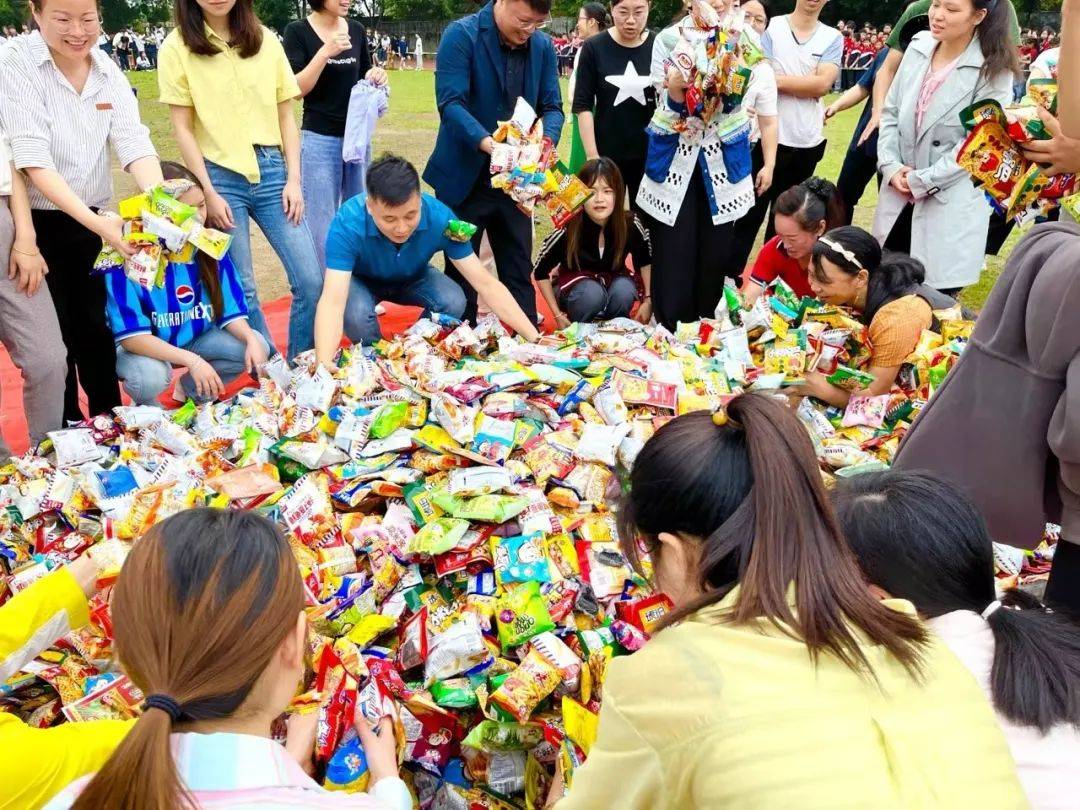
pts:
pixel 251 439
pixel 458 230
pixel 438 536
pixel 165 205
pixel 454 693
pixel 495 737
pixel 521 614
pixel 388 418
pixel 185 414
pixel 485 508
pixel 419 499
pixel 850 379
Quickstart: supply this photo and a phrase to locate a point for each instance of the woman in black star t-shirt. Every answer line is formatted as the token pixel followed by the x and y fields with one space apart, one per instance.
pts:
pixel 613 97
pixel 329 54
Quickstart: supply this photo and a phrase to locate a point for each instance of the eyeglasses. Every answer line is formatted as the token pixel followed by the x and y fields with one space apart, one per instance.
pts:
pixel 621 13
pixel 531 24
pixel 756 19
pixel 87 26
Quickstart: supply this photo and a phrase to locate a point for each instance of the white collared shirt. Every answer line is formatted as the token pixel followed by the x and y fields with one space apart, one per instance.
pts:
pixel 49 125
pixel 5 166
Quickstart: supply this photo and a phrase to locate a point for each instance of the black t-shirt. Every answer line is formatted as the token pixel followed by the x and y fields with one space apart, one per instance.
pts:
pixel 592 262
pixel 327 105
pixel 613 83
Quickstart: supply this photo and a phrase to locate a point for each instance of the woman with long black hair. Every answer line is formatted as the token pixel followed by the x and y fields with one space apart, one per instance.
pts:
pixel 918 537
pixel 778 680
pixel 928 206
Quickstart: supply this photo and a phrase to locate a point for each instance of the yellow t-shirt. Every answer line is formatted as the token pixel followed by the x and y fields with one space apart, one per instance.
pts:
pixel 896 329
pixel 235 99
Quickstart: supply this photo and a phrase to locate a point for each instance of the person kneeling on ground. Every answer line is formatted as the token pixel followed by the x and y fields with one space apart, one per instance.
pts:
pixel 208 620
pixel 778 680
pixel 380 248
pixel 1025 657
pixel 589 255
pixel 847 268
pixel 196 320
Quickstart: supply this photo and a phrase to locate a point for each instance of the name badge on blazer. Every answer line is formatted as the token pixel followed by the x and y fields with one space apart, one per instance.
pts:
pixel 103 105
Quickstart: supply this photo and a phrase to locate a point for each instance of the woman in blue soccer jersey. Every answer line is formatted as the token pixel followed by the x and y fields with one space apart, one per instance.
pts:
pixel 197 320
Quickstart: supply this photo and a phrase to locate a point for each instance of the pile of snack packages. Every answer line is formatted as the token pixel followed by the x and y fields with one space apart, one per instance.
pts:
pixel 450 496
pixel 525 165
pixel 714 56
pixel 161 229
pixel 1015 186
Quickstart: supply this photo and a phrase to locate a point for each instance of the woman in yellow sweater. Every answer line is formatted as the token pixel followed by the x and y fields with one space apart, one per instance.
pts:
pixel 38 763
pixel 847 268
pixel 778 681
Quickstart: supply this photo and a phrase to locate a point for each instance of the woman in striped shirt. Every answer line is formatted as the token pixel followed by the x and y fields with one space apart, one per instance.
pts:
pixel 62 102
pixel 208 618
pixel 196 320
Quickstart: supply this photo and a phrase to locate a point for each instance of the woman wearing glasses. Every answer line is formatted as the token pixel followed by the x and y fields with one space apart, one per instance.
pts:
pixel 62 100
pixel 613 96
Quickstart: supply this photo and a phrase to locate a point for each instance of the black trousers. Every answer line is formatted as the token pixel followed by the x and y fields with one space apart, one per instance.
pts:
pixel 858 170
pixel 793 165
pixel 510 233
pixel 689 260
pixel 899 238
pixel 69 250
pixel 632 170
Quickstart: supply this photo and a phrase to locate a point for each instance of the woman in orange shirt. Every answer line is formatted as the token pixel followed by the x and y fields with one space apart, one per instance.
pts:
pixel 847 268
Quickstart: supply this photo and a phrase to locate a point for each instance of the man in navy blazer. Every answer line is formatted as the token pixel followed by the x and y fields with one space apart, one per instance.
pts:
pixel 484 63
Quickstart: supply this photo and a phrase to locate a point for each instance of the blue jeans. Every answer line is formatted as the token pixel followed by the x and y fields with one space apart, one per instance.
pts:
pixel 431 290
pixel 587 300
pixel 292 243
pixel 145 378
pixel 328 181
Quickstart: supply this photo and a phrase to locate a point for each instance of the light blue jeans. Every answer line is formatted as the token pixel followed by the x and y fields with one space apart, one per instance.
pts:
pixel 328 182
pixel 145 378
pixel 293 244
pixel 432 290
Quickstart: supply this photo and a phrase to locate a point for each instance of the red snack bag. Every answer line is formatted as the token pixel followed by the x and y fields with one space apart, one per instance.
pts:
pixel 431 734
pixel 644 614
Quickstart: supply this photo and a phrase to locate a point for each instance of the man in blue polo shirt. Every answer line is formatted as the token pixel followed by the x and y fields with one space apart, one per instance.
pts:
pixel 380 248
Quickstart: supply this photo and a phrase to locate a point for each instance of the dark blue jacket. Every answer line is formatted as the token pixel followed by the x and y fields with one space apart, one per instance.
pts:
pixel 469 79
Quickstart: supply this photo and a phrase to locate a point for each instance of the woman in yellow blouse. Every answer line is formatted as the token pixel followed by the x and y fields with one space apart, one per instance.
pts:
pixel 40 762
pixel 230 93
pixel 847 268
pixel 778 681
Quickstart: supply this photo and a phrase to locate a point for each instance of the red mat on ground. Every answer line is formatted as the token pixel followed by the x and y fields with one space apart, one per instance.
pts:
pixel 13 420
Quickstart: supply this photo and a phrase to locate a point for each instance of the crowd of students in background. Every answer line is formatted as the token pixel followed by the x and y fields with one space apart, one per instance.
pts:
pixel 396 51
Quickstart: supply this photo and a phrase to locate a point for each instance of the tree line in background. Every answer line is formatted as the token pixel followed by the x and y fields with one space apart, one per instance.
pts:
pixel 118 14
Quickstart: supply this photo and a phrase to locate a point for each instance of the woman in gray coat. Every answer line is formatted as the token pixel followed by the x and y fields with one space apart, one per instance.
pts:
pixel 1005 424
pixel 928 205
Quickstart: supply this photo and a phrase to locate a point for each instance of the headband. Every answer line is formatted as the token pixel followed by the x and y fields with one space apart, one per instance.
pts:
pixel 842 251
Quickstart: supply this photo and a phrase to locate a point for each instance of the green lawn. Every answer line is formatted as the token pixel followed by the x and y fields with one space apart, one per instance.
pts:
pixel 409 129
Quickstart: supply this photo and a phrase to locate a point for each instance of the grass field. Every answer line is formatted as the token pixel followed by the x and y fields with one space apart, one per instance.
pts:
pixel 408 129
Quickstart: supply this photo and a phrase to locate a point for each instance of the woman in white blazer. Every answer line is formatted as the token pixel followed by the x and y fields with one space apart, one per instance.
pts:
pixel 928 205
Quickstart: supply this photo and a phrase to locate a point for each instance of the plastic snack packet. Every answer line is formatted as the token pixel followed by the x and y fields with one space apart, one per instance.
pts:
pixel 850 379
pixel 524 688
pixel 520 614
pixel 460 231
pixel 520 559
pixel 347 769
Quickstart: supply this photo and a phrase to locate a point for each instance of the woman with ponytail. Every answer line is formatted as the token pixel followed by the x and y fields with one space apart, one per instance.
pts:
pixel 208 621
pixel 778 680
pixel 847 268
pixel 917 537
pixel 928 206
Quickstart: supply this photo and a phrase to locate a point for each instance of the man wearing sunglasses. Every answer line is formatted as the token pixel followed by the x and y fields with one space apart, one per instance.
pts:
pixel 485 62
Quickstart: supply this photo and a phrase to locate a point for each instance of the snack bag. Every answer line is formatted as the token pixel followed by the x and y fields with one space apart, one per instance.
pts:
pixel 520 559
pixel 520 614
pixel 524 688
pixel 347 770
pixel 868 411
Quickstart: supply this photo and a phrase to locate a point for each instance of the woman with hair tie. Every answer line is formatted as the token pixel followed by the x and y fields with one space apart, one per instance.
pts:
pixel 208 621
pixel 778 680
pixel 1025 657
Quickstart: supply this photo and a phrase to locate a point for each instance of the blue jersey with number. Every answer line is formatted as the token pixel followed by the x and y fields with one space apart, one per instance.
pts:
pixel 178 311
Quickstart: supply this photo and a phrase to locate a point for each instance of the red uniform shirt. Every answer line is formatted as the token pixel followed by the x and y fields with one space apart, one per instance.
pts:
pixel 773 262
